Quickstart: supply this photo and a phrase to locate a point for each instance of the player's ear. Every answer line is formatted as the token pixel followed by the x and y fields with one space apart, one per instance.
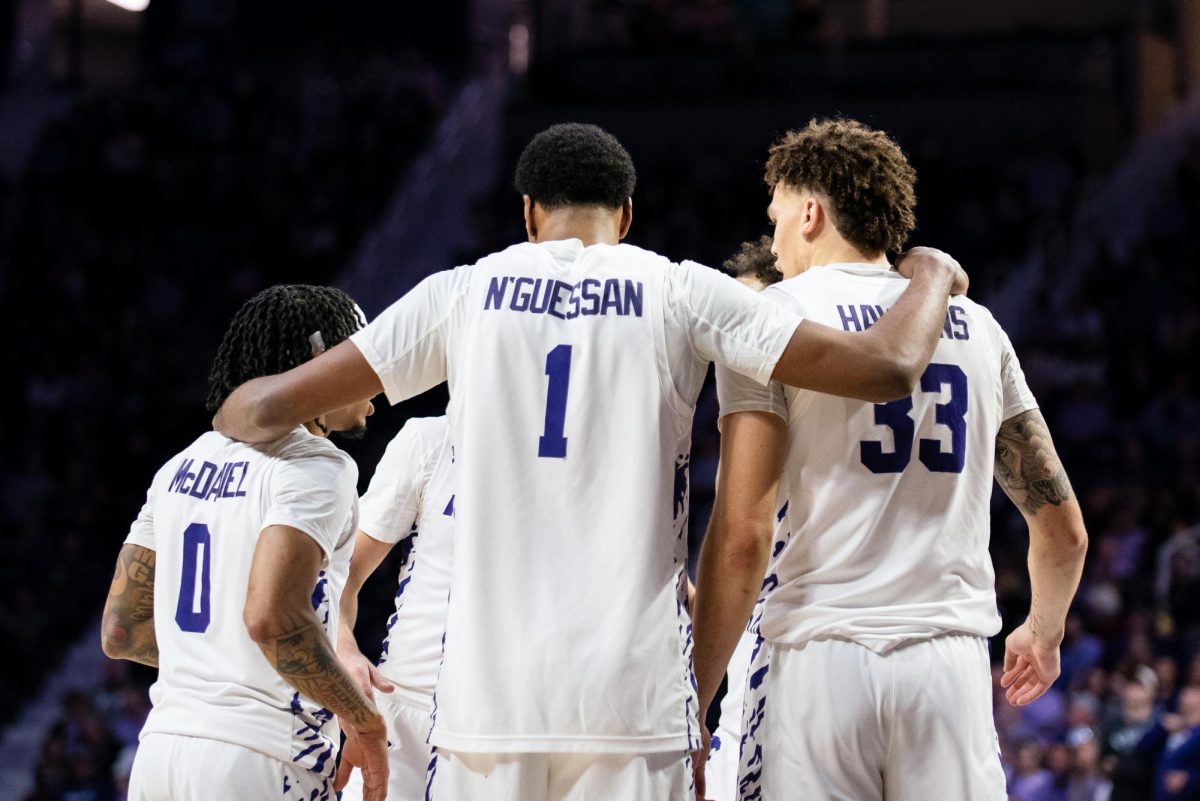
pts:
pixel 626 218
pixel 813 218
pixel 530 222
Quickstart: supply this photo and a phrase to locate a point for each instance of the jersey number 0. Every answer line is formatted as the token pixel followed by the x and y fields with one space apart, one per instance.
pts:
pixel 192 612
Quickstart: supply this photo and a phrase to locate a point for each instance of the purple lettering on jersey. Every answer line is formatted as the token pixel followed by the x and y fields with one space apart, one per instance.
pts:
pixel 590 287
pixel 210 483
pixel 612 297
pixel 621 297
pixel 520 297
pixel 849 316
pixel 633 298
pixel 955 326
pixel 870 315
pixel 181 476
pixel 557 298
pixel 241 493
pixel 204 479
pixel 958 315
pixel 495 293
pixel 227 490
pixel 218 486
pixel 542 291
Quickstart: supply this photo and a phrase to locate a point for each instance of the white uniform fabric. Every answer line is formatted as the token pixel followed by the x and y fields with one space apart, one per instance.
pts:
pixel 846 723
pixel 573 375
pixel 722 768
pixel 886 588
pixel 889 503
pixel 409 752
pixel 202 517
pixel 664 776
pixel 170 767
pixel 411 494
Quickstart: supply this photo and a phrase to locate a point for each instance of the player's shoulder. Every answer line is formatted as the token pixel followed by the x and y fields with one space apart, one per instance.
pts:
pixel 626 251
pixel 422 433
pixel 299 447
pixel 979 313
pixel 200 449
pixel 428 428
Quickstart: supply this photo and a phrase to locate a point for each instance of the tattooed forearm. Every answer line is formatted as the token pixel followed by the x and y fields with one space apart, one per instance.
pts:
pixel 1027 466
pixel 304 657
pixel 128 625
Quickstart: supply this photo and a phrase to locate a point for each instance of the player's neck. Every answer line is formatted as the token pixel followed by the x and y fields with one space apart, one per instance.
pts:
pixel 839 251
pixel 590 226
pixel 316 429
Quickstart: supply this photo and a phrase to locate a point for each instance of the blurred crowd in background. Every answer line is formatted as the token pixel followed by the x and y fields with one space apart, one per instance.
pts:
pixel 148 215
pixel 134 242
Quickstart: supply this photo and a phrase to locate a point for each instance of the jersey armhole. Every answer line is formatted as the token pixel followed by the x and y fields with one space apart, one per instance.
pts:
pixel 665 377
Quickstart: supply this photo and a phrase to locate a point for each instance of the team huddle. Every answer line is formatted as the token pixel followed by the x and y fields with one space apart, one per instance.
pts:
pixel 546 642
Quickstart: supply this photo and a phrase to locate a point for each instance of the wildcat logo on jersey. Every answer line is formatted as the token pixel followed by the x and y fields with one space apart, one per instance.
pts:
pixel 588 298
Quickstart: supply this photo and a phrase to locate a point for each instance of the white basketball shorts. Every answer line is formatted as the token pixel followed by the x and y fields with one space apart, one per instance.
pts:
pixel 843 723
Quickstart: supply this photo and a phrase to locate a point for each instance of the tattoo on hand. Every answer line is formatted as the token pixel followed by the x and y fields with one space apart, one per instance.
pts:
pixel 1027 466
pixel 128 628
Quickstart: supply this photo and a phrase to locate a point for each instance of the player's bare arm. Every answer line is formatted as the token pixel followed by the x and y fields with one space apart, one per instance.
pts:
pixel 369 553
pixel 737 545
pixel 280 619
pixel 886 361
pixel 264 409
pixel 128 628
pixel 1032 475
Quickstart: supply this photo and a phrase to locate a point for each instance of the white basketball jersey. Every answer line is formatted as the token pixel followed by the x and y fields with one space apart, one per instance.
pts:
pixel 573 375
pixel 888 503
pixel 411 494
pixel 202 517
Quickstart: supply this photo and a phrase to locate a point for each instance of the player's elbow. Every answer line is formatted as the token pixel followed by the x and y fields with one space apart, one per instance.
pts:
pixel 265 409
pixel 262 621
pixel 1066 540
pixel 891 380
pixel 1071 541
pixel 114 639
pixel 745 545
pixel 252 408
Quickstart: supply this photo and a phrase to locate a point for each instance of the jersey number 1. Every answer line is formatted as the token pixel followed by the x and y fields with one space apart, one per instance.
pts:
pixel 192 612
pixel 552 444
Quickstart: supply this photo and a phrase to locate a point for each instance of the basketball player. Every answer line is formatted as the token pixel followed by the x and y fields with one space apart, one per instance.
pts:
pixel 411 495
pixel 254 543
pixel 574 363
pixel 878 683
pixel 754 266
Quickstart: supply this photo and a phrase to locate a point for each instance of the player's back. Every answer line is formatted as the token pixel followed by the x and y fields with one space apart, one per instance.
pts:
pixel 889 503
pixel 573 375
pixel 567 428
pixel 203 515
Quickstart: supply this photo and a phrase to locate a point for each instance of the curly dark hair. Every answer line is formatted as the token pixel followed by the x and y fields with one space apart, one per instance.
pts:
pixel 271 334
pixel 754 258
pixel 864 174
pixel 573 164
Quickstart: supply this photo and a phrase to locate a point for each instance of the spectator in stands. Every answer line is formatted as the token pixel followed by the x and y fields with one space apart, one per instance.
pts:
pixel 1173 745
pixel 1087 780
